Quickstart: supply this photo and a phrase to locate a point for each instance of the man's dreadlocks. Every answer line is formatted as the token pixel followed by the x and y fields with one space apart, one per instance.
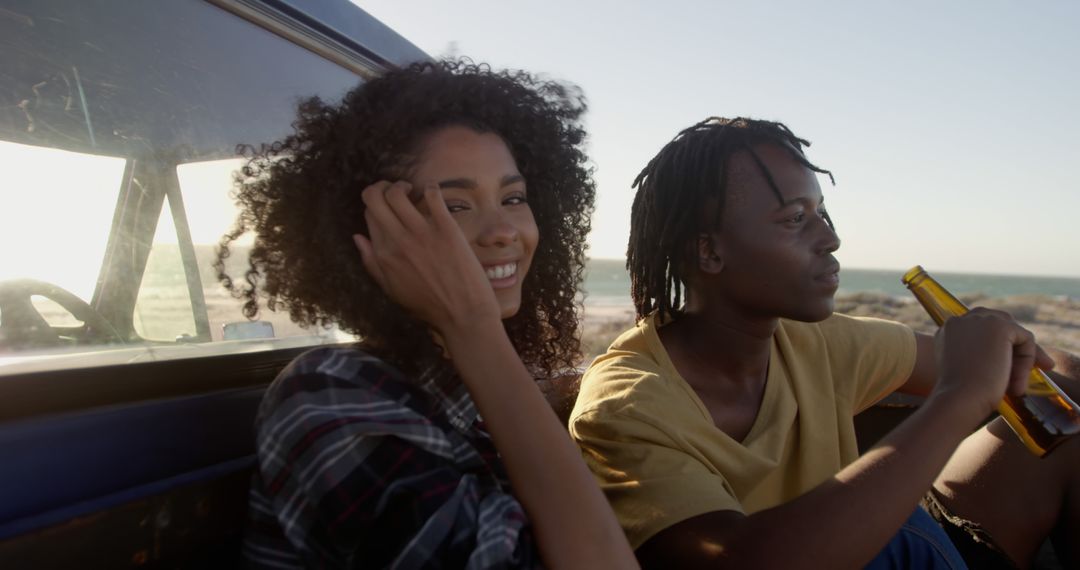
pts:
pixel 689 174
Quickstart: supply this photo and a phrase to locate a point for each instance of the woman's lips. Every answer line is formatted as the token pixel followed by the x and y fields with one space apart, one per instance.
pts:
pixel 502 275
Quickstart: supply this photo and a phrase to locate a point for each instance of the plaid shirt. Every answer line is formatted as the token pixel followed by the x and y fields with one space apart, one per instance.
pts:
pixel 360 468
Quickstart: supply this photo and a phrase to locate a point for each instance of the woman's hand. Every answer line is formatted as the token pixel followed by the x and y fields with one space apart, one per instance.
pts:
pixel 422 260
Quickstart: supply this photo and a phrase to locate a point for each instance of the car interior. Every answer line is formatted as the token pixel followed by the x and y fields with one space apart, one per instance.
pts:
pixel 129 378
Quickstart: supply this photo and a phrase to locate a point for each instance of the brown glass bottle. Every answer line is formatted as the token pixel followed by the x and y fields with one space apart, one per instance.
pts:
pixel 1043 417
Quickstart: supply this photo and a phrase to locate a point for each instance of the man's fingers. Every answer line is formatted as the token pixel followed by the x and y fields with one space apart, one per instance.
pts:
pixel 1043 360
pixel 1025 353
pixel 1021 370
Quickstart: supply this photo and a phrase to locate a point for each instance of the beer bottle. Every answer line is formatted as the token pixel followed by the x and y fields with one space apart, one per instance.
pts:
pixel 1043 417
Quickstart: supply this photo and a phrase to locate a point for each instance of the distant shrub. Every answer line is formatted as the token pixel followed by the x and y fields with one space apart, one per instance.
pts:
pixel 1023 312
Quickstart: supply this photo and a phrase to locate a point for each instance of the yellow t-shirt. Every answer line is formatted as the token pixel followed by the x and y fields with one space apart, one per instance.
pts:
pixel 659 458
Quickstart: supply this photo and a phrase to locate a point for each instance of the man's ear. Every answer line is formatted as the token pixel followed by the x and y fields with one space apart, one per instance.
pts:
pixel 709 259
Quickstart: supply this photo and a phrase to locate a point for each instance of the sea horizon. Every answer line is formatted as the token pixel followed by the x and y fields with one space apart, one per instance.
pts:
pixel 608 284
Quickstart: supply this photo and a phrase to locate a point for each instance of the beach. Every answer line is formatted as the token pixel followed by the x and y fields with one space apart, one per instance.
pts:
pixel 1055 319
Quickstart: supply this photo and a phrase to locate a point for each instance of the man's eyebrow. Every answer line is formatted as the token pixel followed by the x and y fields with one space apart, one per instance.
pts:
pixel 794 201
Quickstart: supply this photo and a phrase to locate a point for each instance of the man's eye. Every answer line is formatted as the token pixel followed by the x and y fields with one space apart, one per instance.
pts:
pixel 797 218
pixel 828 219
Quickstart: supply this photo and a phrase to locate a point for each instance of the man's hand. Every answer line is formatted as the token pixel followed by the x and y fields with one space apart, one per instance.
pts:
pixel 982 356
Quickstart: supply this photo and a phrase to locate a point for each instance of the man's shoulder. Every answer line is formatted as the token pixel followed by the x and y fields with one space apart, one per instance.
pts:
pixel 629 377
pixel 838 328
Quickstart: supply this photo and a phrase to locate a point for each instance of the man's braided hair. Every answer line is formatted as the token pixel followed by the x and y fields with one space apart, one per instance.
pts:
pixel 687 177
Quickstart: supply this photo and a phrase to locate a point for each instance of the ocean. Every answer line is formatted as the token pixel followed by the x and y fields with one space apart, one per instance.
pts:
pixel 608 284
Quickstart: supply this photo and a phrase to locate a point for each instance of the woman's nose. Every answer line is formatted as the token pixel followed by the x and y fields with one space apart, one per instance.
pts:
pixel 498 230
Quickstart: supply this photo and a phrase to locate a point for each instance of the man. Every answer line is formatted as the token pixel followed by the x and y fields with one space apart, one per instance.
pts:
pixel 721 428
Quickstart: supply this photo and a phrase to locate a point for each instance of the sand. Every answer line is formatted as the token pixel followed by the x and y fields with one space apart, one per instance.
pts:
pixel 1054 320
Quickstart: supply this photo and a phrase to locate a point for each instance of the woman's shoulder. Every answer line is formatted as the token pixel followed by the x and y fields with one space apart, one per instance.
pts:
pixel 347 364
pixel 344 379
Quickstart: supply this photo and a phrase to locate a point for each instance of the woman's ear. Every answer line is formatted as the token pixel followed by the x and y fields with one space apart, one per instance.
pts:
pixel 708 255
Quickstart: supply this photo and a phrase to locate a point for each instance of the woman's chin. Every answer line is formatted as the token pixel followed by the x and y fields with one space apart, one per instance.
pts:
pixel 508 312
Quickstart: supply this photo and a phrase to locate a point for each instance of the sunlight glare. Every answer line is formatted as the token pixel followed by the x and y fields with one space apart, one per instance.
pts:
pixel 58 209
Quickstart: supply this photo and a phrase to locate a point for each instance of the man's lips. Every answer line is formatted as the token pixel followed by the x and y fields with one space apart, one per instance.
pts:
pixel 830 275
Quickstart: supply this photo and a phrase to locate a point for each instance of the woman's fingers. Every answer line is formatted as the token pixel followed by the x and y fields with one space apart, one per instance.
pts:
pixel 436 207
pixel 399 196
pixel 383 222
pixel 367 257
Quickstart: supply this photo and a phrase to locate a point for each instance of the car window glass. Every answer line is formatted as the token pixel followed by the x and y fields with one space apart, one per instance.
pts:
pixel 58 207
pixel 163 309
pixel 53 313
pixel 119 129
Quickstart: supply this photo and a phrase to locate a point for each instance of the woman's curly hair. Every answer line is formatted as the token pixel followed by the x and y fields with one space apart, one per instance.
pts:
pixel 301 198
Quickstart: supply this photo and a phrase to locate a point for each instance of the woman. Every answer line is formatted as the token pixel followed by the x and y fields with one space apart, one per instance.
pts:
pixel 439 213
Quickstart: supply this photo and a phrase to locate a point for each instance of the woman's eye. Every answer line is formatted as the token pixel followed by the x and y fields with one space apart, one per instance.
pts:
pixel 797 218
pixel 515 200
pixel 455 207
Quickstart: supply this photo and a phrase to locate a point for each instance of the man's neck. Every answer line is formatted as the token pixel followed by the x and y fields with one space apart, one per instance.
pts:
pixel 726 362
pixel 731 348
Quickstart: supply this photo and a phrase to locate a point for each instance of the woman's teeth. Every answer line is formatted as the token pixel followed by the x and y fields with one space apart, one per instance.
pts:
pixel 501 271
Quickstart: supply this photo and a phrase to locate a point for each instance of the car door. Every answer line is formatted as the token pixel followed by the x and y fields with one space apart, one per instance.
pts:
pixel 129 378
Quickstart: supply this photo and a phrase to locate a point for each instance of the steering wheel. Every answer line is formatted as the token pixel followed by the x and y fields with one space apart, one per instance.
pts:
pixel 22 326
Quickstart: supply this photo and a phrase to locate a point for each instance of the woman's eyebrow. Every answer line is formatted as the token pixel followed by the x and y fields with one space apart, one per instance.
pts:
pixel 470 184
pixel 464 183
pixel 512 179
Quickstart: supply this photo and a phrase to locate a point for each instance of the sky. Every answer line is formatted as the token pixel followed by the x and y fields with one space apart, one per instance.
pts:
pixel 951 127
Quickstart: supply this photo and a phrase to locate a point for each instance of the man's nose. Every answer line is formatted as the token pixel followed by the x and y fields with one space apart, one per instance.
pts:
pixel 829 240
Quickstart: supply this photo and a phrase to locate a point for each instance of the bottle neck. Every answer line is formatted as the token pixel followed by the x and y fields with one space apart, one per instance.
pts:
pixel 937 301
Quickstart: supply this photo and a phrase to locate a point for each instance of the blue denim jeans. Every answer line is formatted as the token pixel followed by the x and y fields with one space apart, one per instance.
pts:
pixel 920 543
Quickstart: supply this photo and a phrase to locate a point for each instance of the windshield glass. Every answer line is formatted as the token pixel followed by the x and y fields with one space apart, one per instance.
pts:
pixel 73 196
pixel 119 126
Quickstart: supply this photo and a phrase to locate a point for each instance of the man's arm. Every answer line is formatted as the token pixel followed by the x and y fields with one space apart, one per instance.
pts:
pixel 985 353
pixel 1066 372
pixel 924 375
pixel 843 522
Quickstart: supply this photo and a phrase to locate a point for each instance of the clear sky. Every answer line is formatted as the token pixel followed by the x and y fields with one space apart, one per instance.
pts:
pixel 953 128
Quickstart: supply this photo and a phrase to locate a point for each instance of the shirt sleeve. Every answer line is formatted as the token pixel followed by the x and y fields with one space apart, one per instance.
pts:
pixel 872 357
pixel 359 475
pixel 650 481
